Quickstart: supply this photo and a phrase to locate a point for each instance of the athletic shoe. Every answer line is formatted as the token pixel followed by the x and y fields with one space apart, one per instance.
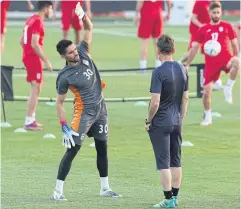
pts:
pixel 39 124
pixel 165 204
pixel 33 127
pixel 206 120
pixel 175 200
pixel 228 94
pixel 109 193
pixel 57 196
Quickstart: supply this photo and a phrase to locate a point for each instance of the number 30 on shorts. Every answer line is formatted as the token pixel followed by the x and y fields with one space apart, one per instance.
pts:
pixel 103 128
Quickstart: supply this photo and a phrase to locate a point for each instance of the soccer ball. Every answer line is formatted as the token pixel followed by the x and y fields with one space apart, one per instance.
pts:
pixel 212 48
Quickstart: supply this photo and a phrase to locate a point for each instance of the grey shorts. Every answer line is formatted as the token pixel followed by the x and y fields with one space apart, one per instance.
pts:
pixel 166 143
pixel 92 122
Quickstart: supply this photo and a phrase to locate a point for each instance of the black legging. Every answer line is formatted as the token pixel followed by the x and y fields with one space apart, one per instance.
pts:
pixel 102 159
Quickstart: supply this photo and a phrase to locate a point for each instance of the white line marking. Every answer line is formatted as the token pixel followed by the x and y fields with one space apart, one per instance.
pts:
pixel 128 34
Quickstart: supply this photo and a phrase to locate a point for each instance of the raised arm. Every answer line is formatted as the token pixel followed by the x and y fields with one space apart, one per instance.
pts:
pixel 88 29
pixel 88 26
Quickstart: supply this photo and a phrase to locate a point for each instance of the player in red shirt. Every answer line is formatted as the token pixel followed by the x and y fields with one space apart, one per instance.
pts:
pixel 150 23
pixel 33 56
pixel 69 18
pixel 224 33
pixel 200 17
pixel 3 25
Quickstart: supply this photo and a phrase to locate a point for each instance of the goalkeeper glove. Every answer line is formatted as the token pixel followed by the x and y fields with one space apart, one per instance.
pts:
pixel 79 11
pixel 68 134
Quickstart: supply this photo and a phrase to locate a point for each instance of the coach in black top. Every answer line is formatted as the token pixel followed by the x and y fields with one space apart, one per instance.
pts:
pixel 168 106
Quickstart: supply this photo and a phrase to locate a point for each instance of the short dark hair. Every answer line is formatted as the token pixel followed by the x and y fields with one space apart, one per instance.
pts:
pixel 62 45
pixel 165 43
pixel 215 5
pixel 43 4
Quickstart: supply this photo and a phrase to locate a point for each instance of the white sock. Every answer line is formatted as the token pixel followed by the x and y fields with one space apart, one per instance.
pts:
pixel 59 186
pixel 29 120
pixel 158 63
pixel 208 113
pixel 230 83
pixel 219 82
pixel 33 115
pixel 143 64
pixel 104 183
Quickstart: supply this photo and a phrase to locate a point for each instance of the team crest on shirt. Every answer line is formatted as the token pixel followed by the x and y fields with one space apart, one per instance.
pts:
pixel 86 62
pixel 38 76
pixel 208 30
pixel 220 29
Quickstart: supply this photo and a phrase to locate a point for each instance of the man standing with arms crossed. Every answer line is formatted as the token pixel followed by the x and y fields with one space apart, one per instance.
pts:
pixel 150 24
pixel 168 106
pixel 81 76
pixel 224 33
pixel 33 56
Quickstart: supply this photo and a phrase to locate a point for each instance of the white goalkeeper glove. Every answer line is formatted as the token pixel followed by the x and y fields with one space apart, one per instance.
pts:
pixel 79 11
pixel 68 134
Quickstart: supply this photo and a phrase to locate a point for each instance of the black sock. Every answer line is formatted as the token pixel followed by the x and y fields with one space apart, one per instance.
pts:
pixel 168 195
pixel 102 158
pixel 66 162
pixel 175 191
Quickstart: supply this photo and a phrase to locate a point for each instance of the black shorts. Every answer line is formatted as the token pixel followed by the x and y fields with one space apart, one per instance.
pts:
pixel 166 143
pixel 93 122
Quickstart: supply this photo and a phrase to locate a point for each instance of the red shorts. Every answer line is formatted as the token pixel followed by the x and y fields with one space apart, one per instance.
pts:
pixel 4 8
pixel 150 26
pixel 214 67
pixel 34 69
pixel 69 18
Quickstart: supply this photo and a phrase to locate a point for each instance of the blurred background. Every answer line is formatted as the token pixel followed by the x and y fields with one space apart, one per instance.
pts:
pixel 125 10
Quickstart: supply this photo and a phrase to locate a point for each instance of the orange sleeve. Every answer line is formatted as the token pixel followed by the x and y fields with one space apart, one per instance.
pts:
pixel 103 84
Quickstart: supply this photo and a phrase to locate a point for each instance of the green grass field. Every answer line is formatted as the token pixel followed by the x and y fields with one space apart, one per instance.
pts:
pixel 30 162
